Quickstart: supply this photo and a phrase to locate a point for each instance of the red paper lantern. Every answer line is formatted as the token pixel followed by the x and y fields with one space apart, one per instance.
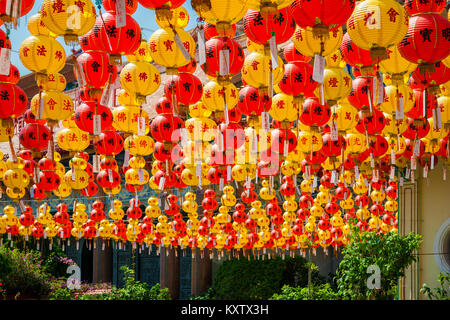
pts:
pixel 25 7
pixel 259 28
pixel 104 181
pixel 314 114
pixel 362 90
pixel 427 40
pixel 13 101
pixel 372 123
pixel 156 4
pixel 29 117
pixel 418 110
pixel 124 40
pixel 90 191
pixel 378 145
pixel 48 180
pixel 280 137
pixel 110 142
pixel 414 7
pixel 354 55
pixel 34 136
pixel 410 148
pixel 252 102
pixel 96 68
pixel 333 148
pixel 164 106
pixel 165 127
pixel 297 79
pixel 291 54
pixel 233 135
pixel 211 31
pixel 130 5
pixel 417 129
pixel 321 14
pixel 190 67
pixel 424 80
pixel 88 42
pixel 186 87
pixel 13 76
pixel 85 113
pixel 213 47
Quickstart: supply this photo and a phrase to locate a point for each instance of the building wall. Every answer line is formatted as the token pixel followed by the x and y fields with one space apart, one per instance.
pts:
pixel 434 210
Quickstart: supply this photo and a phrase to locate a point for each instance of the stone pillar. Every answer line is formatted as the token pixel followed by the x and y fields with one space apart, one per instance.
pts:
pixel 103 262
pixel 170 271
pixel 201 272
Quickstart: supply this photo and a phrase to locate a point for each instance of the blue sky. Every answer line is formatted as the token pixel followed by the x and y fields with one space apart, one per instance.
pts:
pixel 145 17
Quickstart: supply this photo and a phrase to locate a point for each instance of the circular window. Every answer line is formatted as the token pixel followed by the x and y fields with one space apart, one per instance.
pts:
pixel 442 247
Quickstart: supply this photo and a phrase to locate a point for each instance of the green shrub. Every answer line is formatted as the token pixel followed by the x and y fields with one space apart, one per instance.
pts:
pixel 318 292
pixel 244 279
pixel 56 264
pixel 136 290
pixel 392 253
pixel 442 293
pixel 23 273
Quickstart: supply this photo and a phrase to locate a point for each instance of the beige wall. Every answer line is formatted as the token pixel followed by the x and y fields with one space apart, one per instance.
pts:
pixel 434 210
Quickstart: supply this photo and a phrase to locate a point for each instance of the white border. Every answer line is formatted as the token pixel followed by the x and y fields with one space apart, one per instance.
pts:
pixel 439 246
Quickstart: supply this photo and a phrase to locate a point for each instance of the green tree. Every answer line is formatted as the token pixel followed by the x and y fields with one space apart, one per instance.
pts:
pixel 391 253
pixel 243 279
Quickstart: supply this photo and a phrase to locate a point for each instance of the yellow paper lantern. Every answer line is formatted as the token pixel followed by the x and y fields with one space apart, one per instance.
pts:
pixel 72 139
pixel 257 66
pixel 52 81
pixel 139 145
pixel 345 116
pixel 396 144
pixel 216 95
pixel 16 178
pixel 391 102
pixel 164 50
pixel 178 17
pixel 335 60
pixel 284 109
pixel 6 130
pixel 396 66
pixel 199 110
pixel 56 106
pixel 126 119
pixel 68 18
pixel 309 45
pixel 435 134
pixel 393 126
pixel 37 27
pixel 141 54
pixel 64 190
pixel 356 143
pixel 444 105
pixel 376 25
pixel 80 181
pixel 309 141
pixel 337 85
pixel 125 98
pixel 140 78
pixel 42 55
pixel 221 13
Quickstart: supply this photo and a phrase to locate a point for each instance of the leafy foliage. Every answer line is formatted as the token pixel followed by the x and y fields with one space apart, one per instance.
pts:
pixel 133 290
pixel 318 292
pixel 22 273
pixel 442 293
pixel 259 279
pixel 392 253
